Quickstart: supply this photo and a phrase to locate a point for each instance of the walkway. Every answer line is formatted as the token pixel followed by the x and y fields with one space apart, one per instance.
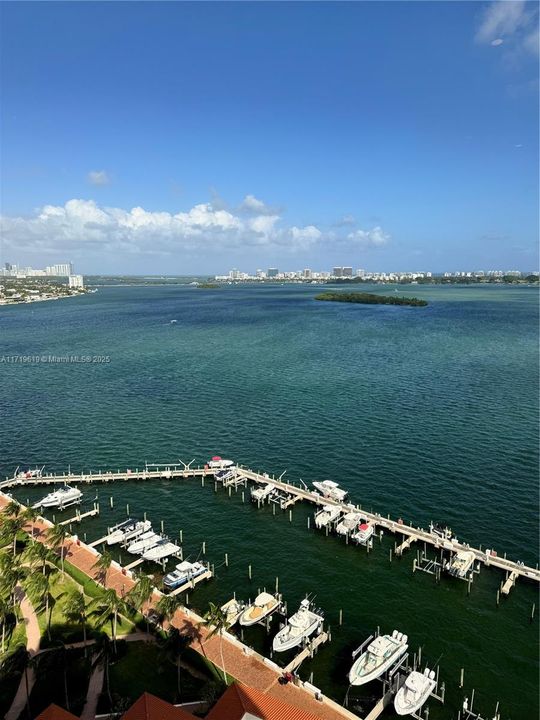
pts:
pixel 95 686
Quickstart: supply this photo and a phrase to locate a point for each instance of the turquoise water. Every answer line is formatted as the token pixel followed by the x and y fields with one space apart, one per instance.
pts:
pixel 428 413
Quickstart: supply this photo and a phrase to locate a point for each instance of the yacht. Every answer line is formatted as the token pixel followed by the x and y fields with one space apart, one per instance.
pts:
pixel 233 609
pixel 330 489
pixel 381 654
pixel 414 692
pixel 348 523
pixel 28 474
pixel 61 498
pixel 126 530
pixel 364 533
pixel 327 515
pixel 218 463
pixel 162 549
pixel 183 573
pixel 143 542
pixel 299 626
pixel 263 605
pixel 460 564
pixel 261 492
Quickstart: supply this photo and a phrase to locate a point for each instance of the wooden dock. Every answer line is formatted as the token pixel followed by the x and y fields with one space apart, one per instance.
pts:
pixel 405 545
pixel 134 564
pixel 509 583
pixel 81 516
pixel 308 651
pixel 191 583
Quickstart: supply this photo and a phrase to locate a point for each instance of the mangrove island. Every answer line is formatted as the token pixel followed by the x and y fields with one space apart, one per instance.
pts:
pixel 370 299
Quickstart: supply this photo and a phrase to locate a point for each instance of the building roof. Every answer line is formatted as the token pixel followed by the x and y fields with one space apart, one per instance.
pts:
pixel 240 701
pixel 150 707
pixel 54 712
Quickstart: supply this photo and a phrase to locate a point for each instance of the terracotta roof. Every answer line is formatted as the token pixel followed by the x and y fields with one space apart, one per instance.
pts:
pixel 150 707
pixel 54 712
pixel 240 699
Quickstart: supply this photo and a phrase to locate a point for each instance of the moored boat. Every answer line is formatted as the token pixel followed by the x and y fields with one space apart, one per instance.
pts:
pixel 127 530
pixel 460 564
pixel 233 609
pixel 143 542
pixel 61 498
pixel 299 627
pixel 263 605
pixel 414 692
pixel 261 492
pixel 327 515
pixel 161 550
pixel 183 573
pixel 348 523
pixel 364 533
pixel 219 463
pixel 29 474
pixel 380 655
pixel 330 489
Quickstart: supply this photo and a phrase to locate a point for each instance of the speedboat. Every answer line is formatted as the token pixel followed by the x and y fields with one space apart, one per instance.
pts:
pixel 143 542
pixel 183 573
pixel 261 492
pixel 162 549
pixel 299 626
pixel 28 474
pixel 460 564
pixel 348 523
pixel 233 609
pixel 381 654
pixel 226 474
pixel 126 530
pixel 219 463
pixel 263 605
pixel 330 489
pixel 364 533
pixel 414 692
pixel 327 515
pixel 61 498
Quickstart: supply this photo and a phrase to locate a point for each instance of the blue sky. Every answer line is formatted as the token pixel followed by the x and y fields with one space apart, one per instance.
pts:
pixel 196 137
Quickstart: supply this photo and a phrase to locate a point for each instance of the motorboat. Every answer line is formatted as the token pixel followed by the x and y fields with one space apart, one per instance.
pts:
pixel 414 692
pixel 330 489
pixel 442 531
pixel 143 542
pixel 299 627
pixel 219 463
pixel 127 530
pixel 162 549
pixel 28 474
pixel 364 533
pixel 381 654
pixel 261 492
pixel 348 523
pixel 233 609
pixel 226 474
pixel 183 573
pixel 263 605
pixel 460 564
pixel 61 498
pixel 327 515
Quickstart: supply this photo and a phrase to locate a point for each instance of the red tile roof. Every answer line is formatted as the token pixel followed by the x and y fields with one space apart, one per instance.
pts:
pixel 150 707
pixel 240 699
pixel 54 712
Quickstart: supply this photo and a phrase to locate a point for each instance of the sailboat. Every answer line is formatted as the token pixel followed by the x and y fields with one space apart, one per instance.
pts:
pixel 380 655
pixel 61 498
pixel 299 626
pixel 414 692
pixel 263 605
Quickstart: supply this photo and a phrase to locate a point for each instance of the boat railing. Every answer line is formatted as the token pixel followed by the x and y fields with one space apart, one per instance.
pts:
pixel 361 647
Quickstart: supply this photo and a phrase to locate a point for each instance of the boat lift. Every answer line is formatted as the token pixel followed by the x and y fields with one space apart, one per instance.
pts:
pixel 467 712
pixel 436 566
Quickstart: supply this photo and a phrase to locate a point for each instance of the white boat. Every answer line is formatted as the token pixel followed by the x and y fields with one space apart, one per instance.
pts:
pixel 348 523
pixel 220 463
pixel 143 542
pixel 327 515
pixel 28 474
pixel 127 530
pixel 183 573
pixel 162 549
pixel 61 498
pixel 261 492
pixel 364 533
pixel 414 692
pixel 460 564
pixel 442 531
pixel 263 605
pixel 330 489
pixel 299 627
pixel 381 654
pixel 233 609
pixel 227 473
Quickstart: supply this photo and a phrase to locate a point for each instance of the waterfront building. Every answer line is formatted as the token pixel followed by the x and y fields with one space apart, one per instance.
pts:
pixel 76 281
pixel 347 272
pixel 337 272
pixel 272 272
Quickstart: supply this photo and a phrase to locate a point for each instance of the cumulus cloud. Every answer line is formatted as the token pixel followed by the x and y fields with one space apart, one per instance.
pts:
pixel 376 237
pixel 98 177
pixel 509 21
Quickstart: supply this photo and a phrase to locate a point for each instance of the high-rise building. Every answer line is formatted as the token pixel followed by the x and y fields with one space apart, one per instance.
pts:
pixel 272 272
pixel 307 274
pixel 360 273
pixel 60 270
pixel 337 272
pixel 76 281
pixel 347 272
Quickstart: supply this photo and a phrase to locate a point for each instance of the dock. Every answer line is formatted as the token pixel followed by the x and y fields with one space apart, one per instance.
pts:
pixel 191 583
pixel 405 545
pixel 81 516
pixel 308 651
pixel 134 564
pixel 509 583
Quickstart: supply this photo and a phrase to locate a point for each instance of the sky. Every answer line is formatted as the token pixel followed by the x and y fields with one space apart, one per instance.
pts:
pixel 191 138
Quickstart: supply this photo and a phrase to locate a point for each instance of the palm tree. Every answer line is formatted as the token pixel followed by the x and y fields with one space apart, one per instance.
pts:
pixel 12 573
pixel 50 663
pixel 175 645
pixel 107 608
pixel 40 555
pixel 31 515
pixel 103 656
pixel 17 663
pixel 57 536
pixel 39 591
pixel 140 594
pixel 103 563
pixel 75 611
pixel 7 618
pixel 167 606
pixel 215 620
pixel 13 508
pixel 11 526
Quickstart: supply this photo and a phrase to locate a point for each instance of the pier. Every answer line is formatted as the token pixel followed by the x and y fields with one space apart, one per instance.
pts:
pixel 81 516
pixel 308 651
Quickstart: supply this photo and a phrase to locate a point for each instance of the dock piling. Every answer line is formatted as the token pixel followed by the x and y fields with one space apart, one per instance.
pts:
pixel 461 677
pixel 111 502
pixel 226 559
pixel 249 571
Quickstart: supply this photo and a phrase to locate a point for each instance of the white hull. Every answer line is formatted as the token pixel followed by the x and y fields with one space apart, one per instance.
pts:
pixel 364 535
pixel 182 574
pixel 161 551
pixel 414 693
pixel 374 662
pixel 330 489
pixel 145 541
pixel 127 533
pixel 299 627
pixel 261 493
pixel 62 498
pixel 327 515
pixel 264 605
pixel 233 609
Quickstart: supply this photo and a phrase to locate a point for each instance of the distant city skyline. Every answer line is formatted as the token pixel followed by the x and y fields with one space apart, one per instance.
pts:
pixel 191 138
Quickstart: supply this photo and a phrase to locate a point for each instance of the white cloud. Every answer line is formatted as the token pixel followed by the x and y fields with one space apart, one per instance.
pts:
pixel 509 21
pixel 98 177
pixel 497 42
pixel 375 237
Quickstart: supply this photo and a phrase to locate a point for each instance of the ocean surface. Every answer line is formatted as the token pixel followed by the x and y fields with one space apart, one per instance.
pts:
pixel 424 413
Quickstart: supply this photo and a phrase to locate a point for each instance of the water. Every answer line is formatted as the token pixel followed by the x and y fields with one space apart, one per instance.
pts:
pixel 426 413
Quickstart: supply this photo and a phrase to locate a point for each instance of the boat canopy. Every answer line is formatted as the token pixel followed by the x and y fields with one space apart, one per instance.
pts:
pixel 263 599
pixel 186 566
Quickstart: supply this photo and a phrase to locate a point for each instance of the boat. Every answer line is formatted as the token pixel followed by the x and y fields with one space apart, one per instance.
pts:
pixel 143 542
pixel 233 609
pixel 414 692
pixel 327 515
pixel 162 549
pixel 299 627
pixel 330 489
pixel 261 492
pixel 263 605
pixel 442 531
pixel 460 564
pixel 183 573
pixel 61 498
pixel 127 530
pixel 348 523
pixel 220 463
pixel 381 654
pixel 364 533
pixel 28 474
pixel 226 474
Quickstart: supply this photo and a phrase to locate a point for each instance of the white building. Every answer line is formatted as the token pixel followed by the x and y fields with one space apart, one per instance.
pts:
pixel 76 281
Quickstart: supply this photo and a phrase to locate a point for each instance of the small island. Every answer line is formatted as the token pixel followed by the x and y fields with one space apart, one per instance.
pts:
pixel 370 299
pixel 207 286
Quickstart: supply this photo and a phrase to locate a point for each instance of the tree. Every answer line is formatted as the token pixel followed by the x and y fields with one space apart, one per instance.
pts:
pixel 75 611
pixel 175 645
pixel 107 608
pixel 40 555
pixel 17 663
pixel 10 529
pixel 50 663
pixel 140 594
pixel 7 618
pixel 39 590
pixel 12 573
pixel 215 620
pixel 13 508
pixel 167 606
pixel 31 515
pixel 57 536
pixel 103 563
pixel 103 656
